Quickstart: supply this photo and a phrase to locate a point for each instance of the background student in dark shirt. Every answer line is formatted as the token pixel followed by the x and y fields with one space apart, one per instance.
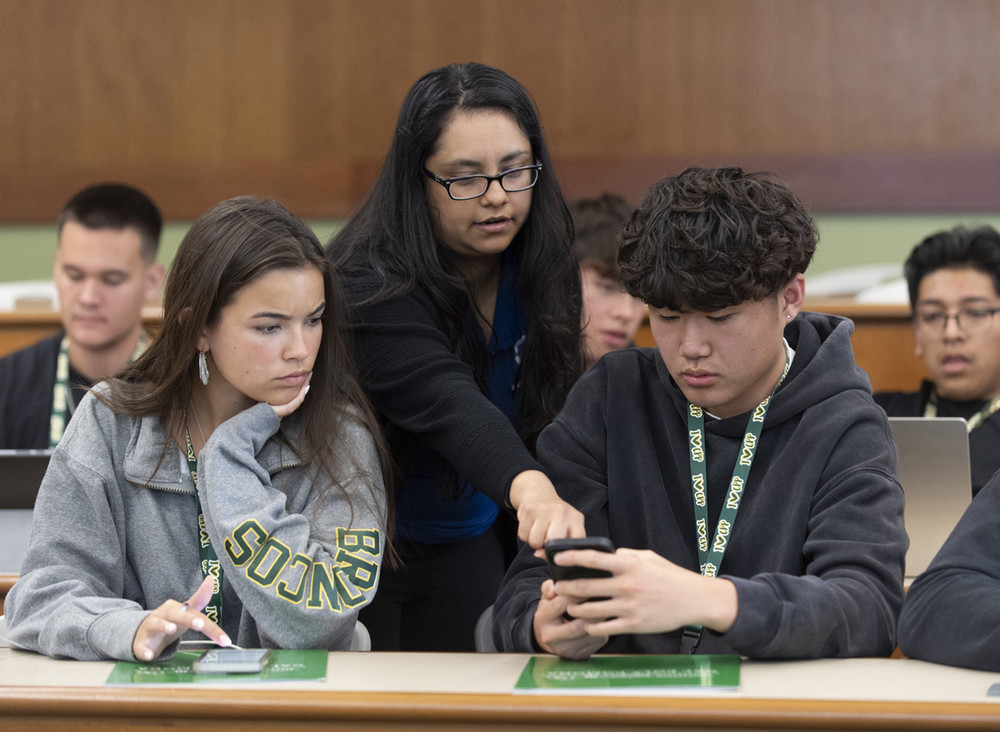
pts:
pixel 105 270
pixel 954 285
pixel 466 322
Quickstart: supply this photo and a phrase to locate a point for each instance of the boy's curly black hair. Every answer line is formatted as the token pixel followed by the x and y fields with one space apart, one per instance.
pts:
pixel 711 238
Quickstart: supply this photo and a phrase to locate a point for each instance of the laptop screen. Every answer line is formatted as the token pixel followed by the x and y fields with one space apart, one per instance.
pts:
pixel 21 473
pixel 935 474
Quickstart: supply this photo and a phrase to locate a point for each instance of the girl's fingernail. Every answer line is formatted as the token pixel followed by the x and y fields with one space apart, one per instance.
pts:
pixel 224 641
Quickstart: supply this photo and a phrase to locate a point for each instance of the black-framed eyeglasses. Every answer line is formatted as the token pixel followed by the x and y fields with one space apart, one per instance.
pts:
pixel 465 187
pixel 969 320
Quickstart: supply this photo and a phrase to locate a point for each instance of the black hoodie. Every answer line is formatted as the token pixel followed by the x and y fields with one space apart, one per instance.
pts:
pixel 817 550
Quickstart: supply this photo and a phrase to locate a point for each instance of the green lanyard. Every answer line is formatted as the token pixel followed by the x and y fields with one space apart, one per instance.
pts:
pixel 209 560
pixel 975 420
pixel 62 394
pixel 710 555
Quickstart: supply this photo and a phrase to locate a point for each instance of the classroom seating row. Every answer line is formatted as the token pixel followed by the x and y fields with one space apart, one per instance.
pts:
pixel 883 337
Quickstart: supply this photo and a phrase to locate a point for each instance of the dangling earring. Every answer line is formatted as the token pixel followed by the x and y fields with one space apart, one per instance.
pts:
pixel 203 368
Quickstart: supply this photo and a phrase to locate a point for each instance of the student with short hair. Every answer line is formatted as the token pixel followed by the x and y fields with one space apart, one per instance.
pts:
pixel 953 279
pixel 228 486
pixel 611 316
pixel 105 270
pixel 740 467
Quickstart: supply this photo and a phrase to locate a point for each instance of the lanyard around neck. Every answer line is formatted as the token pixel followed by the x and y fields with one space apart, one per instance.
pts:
pixel 710 554
pixel 931 408
pixel 63 405
pixel 210 566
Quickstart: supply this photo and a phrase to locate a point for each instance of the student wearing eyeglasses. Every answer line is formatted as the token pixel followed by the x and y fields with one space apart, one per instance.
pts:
pixel 954 284
pixel 466 325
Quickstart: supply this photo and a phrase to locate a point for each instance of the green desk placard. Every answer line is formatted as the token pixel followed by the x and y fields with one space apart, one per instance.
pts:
pixel 679 674
pixel 285 665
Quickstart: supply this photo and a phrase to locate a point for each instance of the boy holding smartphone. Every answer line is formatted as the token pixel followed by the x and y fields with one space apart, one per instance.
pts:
pixel 741 465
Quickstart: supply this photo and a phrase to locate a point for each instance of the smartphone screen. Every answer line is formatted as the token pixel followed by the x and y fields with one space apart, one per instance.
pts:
pixel 554 546
pixel 232 661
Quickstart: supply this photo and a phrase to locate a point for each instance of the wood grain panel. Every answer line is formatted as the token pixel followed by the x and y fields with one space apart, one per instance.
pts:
pixel 887 105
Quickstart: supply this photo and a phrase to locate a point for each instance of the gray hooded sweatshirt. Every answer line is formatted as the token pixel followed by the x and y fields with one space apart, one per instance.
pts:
pixel 115 535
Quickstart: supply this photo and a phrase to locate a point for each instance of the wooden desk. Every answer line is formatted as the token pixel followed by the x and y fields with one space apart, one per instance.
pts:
pixel 883 342
pixel 438 691
pixel 19 329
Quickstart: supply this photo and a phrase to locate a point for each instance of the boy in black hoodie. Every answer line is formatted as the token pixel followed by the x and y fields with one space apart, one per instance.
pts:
pixel 741 466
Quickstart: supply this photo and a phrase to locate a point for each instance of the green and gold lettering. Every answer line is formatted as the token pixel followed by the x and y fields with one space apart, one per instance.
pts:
pixel 721 536
pixel 735 491
pixel 212 568
pixel 350 599
pixel 749 445
pixel 203 531
pixel 698 481
pixel 284 589
pixel 360 540
pixel 239 549
pixel 362 573
pixel 322 587
pixel 274 552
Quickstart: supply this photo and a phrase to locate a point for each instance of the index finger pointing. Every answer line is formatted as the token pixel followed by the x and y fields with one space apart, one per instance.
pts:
pixel 202 595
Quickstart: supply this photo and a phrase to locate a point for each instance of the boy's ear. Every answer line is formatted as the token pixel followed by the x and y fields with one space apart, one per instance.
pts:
pixel 793 296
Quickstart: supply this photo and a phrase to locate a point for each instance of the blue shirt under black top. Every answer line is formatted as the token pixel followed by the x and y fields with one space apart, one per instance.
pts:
pixel 425 511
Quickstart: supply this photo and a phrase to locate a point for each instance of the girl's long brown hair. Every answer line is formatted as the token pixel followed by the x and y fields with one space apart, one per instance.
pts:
pixel 227 248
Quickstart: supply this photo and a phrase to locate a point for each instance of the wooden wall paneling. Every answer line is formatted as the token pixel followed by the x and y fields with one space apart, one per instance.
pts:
pixel 297 98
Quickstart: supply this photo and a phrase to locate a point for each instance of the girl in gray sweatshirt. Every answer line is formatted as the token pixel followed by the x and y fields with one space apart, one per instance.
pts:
pixel 229 485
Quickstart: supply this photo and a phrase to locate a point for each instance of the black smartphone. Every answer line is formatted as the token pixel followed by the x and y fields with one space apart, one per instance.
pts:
pixel 232 661
pixel 554 546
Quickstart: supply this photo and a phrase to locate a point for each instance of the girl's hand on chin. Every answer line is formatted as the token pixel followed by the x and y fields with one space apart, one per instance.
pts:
pixel 283 410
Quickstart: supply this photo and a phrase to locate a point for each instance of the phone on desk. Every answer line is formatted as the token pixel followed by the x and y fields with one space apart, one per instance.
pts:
pixel 554 546
pixel 232 661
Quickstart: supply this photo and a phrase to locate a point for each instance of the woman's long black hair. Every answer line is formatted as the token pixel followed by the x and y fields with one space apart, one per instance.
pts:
pixel 391 239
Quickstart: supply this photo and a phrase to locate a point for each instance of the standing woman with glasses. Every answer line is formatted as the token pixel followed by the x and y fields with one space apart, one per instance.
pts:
pixel 466 323
pixel 954 284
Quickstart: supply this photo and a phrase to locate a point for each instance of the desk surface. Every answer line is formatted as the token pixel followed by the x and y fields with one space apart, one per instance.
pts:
pixel 473 691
